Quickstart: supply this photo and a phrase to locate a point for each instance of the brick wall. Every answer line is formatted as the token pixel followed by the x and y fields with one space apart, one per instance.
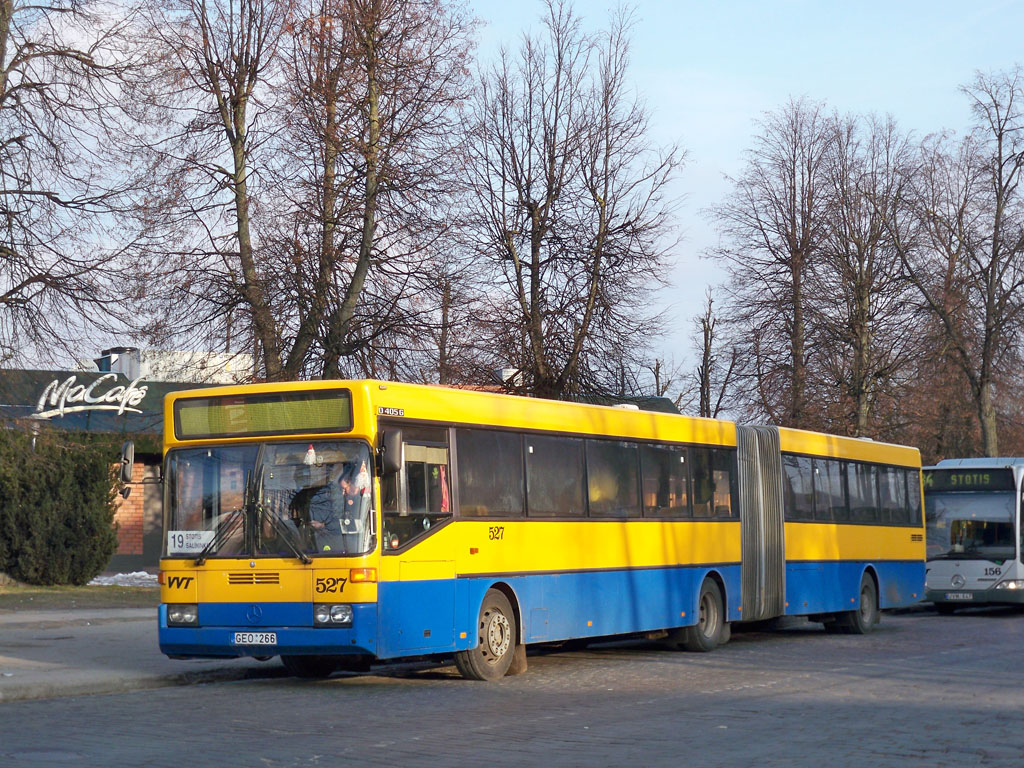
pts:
pixel 129 515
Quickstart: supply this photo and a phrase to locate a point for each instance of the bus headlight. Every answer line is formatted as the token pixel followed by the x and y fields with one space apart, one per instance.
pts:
pixel 1011 584
pixel 326 615
pixel 182 615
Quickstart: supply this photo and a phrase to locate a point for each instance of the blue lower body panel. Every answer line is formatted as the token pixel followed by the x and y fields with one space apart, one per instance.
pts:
pixel 415 616
pixel 291 622
pixel 831 586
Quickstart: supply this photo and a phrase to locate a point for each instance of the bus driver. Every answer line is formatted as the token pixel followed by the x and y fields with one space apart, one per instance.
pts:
pixel 337 511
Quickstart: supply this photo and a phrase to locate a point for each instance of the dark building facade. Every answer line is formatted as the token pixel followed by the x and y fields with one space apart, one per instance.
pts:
pixel 106 402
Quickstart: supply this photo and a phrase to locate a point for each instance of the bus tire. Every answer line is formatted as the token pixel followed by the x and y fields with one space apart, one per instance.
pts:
pixel 707 633
pixel 496 641
pixel 310 666
pixel 726 633
pixel 863 619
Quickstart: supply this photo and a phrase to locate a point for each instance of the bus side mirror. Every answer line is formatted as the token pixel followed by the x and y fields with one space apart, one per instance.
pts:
pixel 127 462
pixel 391 452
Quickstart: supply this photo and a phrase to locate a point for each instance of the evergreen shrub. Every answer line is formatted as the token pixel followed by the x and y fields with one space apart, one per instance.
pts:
pixel 56 506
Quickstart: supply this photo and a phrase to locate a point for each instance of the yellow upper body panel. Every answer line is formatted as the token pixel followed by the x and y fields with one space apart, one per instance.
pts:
pixel 832 541
pixel 420 403
pixel 856 449
pixel 470 547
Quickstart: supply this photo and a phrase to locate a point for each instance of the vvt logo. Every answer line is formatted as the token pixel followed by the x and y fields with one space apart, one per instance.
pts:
pixel 179 582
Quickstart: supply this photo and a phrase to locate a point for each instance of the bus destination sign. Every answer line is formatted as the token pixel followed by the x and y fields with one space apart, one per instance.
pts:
pixel 968 480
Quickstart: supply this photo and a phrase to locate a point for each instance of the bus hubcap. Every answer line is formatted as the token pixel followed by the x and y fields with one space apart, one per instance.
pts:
pixel 499 635
pixel 708 618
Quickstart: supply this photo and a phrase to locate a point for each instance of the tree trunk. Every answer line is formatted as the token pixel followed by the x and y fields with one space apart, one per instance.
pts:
pixel 443 375
pixel 262 318
pixel 987 418
pixel 797 341
pixel 342 317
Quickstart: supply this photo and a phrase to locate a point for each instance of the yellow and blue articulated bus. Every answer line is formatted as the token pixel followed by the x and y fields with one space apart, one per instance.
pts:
pixel 337 523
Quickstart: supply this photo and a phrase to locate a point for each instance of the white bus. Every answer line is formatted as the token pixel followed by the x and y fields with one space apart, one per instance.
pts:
pixel 973 529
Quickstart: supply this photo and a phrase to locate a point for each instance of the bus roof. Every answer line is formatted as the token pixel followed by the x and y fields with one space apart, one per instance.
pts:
pixel 990 462
pixel 856 448
pixel 428 403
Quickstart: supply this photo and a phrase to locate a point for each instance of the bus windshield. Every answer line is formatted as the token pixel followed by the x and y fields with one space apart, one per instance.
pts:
pixel 970 526
pixel 282 499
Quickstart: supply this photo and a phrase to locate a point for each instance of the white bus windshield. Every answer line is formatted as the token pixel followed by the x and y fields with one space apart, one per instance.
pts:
pixel 970 526
pixel 280 499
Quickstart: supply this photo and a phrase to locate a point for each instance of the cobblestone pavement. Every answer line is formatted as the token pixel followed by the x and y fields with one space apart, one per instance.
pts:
pixel 922 690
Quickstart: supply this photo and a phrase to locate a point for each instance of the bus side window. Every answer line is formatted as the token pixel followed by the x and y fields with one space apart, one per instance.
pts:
pixel 490 468
pixel 829 497
pixel 613 478
pixel 914 496
pixel 665 481
pixel 893 495
pixel 725 483
pixel 554 476
pixel 798 487
pixel 713 479
pixel 418 498
pixel 862 487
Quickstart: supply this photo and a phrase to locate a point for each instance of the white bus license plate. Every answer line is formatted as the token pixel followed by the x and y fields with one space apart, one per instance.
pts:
pixel 255 638
pixel 959 596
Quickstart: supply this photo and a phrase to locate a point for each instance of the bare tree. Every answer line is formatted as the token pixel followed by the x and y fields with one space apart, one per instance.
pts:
pixel 713 376
pixel 572 216
pixel 313 145
pixel 62 269
pixel 966 254
pixel 377 85
pixel 860 303
pixel 772 225
pixel 202 115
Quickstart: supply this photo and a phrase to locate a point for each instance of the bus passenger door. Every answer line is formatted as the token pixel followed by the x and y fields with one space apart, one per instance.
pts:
pixel 417 609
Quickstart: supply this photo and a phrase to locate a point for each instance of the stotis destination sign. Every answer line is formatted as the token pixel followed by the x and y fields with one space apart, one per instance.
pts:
pixel 968 479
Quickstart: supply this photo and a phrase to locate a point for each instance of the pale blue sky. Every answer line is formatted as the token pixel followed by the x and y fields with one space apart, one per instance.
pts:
pixel 709 70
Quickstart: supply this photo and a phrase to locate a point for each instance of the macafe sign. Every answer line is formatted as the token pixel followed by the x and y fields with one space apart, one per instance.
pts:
pixel 69 396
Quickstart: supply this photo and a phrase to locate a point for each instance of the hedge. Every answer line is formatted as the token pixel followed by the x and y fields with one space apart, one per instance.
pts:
pixel 57 494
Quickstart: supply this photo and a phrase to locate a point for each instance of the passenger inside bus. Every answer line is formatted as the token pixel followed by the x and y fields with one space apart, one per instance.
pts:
pixel 336 512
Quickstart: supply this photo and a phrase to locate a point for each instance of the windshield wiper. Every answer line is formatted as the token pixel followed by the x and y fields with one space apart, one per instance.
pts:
pixel 261 513
pixel 235 518
pixel 225 529
pixel 283 532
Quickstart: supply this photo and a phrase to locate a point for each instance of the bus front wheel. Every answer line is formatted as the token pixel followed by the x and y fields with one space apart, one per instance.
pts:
pixel 496 641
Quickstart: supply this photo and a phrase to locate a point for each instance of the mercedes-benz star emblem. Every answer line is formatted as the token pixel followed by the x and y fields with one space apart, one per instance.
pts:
pixel 958 580
pixel 253 613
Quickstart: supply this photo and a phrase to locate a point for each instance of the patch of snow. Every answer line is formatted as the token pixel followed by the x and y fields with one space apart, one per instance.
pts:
pixel 134 579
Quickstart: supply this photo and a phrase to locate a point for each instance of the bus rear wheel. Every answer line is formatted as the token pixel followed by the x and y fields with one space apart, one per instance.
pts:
pixel 310 666
pixel 861 620
pixel 710 630
pixel 496 641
